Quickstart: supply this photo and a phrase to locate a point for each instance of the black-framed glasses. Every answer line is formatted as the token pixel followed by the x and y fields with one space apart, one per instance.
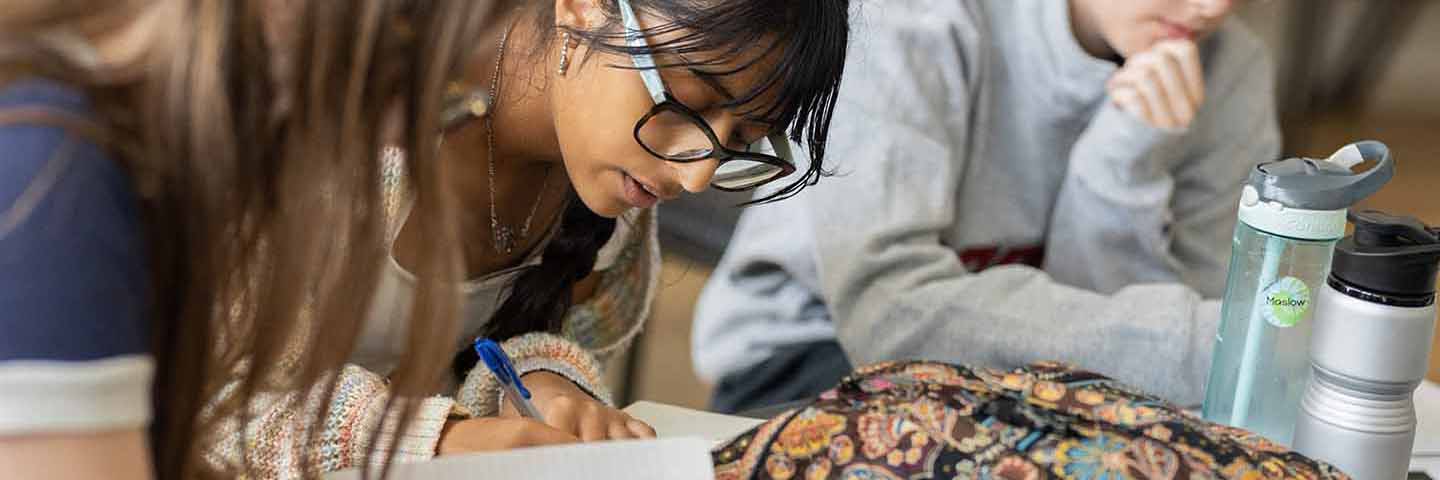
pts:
pixel 673 132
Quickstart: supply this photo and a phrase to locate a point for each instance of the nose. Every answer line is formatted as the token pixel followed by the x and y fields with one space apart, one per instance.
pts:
pixel 1212 9
pixel 695 176
pixel 725 123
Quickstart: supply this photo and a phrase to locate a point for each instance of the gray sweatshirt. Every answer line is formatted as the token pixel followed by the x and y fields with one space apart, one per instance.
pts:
pixel 968 123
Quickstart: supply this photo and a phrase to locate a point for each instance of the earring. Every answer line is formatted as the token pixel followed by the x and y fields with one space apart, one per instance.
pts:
pixel 564 54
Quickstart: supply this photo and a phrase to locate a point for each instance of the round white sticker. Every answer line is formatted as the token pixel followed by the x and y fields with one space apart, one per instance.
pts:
pixel 1286 302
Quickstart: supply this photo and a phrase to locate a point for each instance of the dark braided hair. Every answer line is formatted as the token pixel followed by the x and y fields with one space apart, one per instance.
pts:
pixel 546 289
pixel 808 37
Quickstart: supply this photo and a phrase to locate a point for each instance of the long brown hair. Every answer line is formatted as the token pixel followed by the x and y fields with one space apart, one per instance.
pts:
pixel 254 150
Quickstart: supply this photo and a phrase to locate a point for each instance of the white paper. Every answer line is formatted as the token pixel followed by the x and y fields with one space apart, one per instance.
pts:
pixel 672 421
pixel 660 459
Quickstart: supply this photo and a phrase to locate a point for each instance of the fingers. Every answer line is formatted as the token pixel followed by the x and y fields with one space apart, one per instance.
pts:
pixel 625 427
pixel 591 421
pixel 639 428
pixel 497 433
pixel 1179 100
pixel 618 431
pixel 593 425
pixel 535 434
pixel 1141 76
pixel 508 410
pixel 586 419
pixel 1163 86
pixel 568 419
pixel 1129 101
pixel 1156 98
pixel 561 413
pixel 1186 58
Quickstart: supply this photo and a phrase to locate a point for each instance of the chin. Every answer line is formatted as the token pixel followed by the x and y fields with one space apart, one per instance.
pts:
pixel 1132 46
pixel 611 212
pixel 592 192
pixel 603 203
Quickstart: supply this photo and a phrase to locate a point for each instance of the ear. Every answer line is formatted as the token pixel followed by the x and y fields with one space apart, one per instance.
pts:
pixel 579 15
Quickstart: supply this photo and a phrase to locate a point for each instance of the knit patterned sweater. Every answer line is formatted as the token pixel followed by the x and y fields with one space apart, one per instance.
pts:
pixel 272 441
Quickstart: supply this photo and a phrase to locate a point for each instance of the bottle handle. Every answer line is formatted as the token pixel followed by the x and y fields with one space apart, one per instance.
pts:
pixel 1369 182
pixel 1329 191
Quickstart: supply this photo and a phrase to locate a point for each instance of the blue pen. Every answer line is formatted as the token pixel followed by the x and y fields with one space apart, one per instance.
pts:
pixel 498 362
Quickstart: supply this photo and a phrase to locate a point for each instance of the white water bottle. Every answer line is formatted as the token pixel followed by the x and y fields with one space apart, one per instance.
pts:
pixel 1291 214
pixel 1374 321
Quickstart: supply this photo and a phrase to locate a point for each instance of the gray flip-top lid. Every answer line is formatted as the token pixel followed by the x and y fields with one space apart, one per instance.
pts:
pixel 1325 184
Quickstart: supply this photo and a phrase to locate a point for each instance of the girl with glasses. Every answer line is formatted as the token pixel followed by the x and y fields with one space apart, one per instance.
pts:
pixel 581 112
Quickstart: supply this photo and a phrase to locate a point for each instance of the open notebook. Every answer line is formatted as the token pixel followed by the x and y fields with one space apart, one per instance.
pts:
pixel 681 453
pixel 671 421
pixel 660 459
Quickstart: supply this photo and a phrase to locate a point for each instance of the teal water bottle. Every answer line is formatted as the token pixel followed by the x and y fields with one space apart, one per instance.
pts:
pixel 1292 212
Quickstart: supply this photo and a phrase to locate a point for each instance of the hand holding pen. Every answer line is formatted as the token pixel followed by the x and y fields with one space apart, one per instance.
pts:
pixel 558 402
pixel 514 389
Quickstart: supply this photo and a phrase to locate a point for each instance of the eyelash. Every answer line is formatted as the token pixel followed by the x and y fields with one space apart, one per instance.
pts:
pixel 712 100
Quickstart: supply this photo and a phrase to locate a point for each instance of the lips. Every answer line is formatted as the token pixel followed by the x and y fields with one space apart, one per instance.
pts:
pixel 1177 31
pixel 655 191
pixel 637 194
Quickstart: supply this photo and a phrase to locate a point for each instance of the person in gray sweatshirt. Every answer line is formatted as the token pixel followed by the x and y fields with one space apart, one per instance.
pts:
pixel 1016 180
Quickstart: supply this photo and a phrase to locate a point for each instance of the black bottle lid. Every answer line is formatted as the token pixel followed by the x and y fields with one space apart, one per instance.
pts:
pixel 1388 255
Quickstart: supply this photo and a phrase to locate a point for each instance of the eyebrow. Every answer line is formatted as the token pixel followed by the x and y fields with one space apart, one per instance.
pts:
pixel 715 84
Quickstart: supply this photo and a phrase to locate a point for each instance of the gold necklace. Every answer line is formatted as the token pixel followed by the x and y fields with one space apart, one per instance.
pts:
pixel 504 238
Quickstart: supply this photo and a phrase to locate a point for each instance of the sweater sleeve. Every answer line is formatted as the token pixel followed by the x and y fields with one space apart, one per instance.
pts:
pixel 481 395
pixel 280 425
pixel 74 281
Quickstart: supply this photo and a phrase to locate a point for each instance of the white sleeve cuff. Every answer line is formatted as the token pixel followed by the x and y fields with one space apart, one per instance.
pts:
pixel 46 396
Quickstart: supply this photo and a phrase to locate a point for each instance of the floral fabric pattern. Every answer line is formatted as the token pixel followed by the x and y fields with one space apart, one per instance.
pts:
pixel 925 420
